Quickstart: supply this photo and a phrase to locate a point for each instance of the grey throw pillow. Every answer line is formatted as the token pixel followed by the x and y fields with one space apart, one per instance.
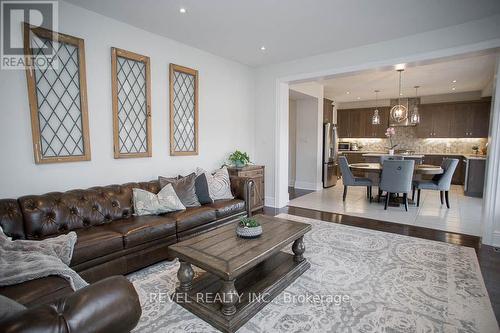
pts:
pixel 219 183
pixel 147 203
pixel 184 187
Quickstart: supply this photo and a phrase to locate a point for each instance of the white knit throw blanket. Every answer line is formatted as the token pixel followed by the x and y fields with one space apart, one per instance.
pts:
pixel 24 260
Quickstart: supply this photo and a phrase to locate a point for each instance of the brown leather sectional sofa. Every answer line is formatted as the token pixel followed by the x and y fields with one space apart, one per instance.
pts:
pixel 111 240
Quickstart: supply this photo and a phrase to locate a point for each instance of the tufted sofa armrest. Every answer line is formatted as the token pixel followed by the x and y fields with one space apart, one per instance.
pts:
pixel 11 218
pixel 242 188
pixel 110 305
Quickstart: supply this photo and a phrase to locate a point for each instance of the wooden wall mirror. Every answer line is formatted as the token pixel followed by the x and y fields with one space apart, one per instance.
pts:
pixel 131 91
pixel 57 96
pixel 183 110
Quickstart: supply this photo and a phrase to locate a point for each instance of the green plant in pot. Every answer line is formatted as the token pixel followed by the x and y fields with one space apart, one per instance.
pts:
pixel 248 228
pixel 239 159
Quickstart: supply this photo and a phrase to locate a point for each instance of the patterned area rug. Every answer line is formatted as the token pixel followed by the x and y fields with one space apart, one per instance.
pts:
pixel 360 280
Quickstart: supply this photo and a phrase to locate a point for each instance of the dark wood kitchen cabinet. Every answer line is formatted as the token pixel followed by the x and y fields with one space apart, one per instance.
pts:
pixel 454 120
pixel 471 119
pixel 357 123
pixel 327 111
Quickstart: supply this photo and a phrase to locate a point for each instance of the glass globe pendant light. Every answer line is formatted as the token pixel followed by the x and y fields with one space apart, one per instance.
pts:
pixel 399 112
pixel 376 116
pixel 415 116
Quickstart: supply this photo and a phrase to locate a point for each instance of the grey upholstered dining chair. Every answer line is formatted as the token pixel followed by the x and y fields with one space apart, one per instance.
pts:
pixel 382 159
pixel 349 180
pixel 396 178
pixel 441 183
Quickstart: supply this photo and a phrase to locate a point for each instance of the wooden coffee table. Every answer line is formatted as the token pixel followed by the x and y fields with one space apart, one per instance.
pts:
pixel 242 275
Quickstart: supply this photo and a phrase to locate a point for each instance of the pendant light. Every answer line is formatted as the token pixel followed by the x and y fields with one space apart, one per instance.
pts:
pixel 399 112
pixel 415 116
pixel 376 116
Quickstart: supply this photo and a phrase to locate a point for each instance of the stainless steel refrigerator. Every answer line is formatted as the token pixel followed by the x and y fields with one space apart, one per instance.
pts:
pixel 330 155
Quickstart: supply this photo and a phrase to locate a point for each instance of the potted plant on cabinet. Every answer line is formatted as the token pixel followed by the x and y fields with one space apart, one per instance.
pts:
pixel 239 159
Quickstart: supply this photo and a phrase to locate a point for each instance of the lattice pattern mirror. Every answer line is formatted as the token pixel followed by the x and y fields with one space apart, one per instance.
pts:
pixel 131 85
pixel 183 110
pixel 57 96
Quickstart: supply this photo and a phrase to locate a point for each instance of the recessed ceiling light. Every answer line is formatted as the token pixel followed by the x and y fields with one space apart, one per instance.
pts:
pixel 454 81
pixel 348 92
pixel 262 48
pixel 400 66
pixel 182 10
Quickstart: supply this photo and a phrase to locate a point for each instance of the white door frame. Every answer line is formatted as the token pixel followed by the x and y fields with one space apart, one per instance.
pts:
pixel 282 109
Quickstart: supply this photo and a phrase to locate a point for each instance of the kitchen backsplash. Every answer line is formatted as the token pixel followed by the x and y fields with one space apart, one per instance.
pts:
pixel 405 138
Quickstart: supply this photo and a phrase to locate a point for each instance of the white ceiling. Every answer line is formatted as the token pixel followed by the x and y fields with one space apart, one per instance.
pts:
pixel 471 74
pixel 289 29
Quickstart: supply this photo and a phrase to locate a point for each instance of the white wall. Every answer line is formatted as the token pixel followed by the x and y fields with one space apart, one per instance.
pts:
pixel 292 139
pixel 272 83
pixel 491 202
pixel 308 147
pixel 226 99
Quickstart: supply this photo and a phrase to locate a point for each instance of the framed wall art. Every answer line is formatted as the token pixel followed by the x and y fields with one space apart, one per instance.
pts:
pixel 131 92
pixel 57 96
pixel 183 111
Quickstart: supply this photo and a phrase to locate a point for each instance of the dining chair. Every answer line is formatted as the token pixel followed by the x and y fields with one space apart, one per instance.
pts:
pixel 441 183
pixel 384 158
pixel 396 178
pixel 349 180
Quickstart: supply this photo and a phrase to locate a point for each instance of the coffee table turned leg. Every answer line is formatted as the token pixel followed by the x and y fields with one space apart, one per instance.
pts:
pixel 185 275
pixel 298 249
pixel 229 297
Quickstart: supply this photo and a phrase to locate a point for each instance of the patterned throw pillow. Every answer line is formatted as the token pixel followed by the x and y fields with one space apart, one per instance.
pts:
pixel 218 183
pixel 184 187
pixel 147 203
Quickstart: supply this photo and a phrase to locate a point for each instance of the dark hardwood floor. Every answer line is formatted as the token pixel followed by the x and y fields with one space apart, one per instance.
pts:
pixel 488 257
pixel 297 192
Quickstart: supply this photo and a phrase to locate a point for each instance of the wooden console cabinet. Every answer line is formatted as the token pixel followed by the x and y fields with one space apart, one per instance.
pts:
pixel 256 172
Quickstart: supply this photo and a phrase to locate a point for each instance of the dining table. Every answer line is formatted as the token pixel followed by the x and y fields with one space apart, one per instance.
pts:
pixel 420 169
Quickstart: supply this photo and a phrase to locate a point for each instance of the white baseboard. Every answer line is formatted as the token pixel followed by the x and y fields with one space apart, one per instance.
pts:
pixel 308 185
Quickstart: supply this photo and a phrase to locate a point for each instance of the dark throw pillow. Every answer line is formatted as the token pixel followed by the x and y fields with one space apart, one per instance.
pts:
pixel 202 190
pixel 184 188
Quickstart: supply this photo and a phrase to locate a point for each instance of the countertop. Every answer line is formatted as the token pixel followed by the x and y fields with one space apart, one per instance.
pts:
pixel 381 153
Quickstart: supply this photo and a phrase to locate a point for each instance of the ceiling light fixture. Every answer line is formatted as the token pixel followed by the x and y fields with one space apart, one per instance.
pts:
pixel 182 10
pixel 453 88
pixel 376 116
pixel 454 81
pixel 415 116
pixel 348 92
pixel 262 48
pixel 358 98
pixel 399 112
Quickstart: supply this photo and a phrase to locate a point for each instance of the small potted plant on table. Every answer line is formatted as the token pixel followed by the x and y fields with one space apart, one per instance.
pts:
pixel 239 159
pixel 248 228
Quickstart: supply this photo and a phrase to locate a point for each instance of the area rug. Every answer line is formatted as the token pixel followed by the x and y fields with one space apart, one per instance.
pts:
pixel 360 280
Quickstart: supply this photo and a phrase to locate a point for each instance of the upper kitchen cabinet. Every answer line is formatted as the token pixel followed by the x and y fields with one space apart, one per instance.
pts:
pixel 327 111
pixel 357 123
pixel 471 119
pixel 454 120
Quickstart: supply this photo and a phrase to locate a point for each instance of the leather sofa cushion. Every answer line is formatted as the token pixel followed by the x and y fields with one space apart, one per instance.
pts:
pixel 11 218
pixel 38 291
pixel 193 217
pixel 95 242
pixel 224 208
pixel 142 229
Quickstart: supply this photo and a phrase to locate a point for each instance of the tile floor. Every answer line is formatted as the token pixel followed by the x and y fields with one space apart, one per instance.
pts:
pixel 464 216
